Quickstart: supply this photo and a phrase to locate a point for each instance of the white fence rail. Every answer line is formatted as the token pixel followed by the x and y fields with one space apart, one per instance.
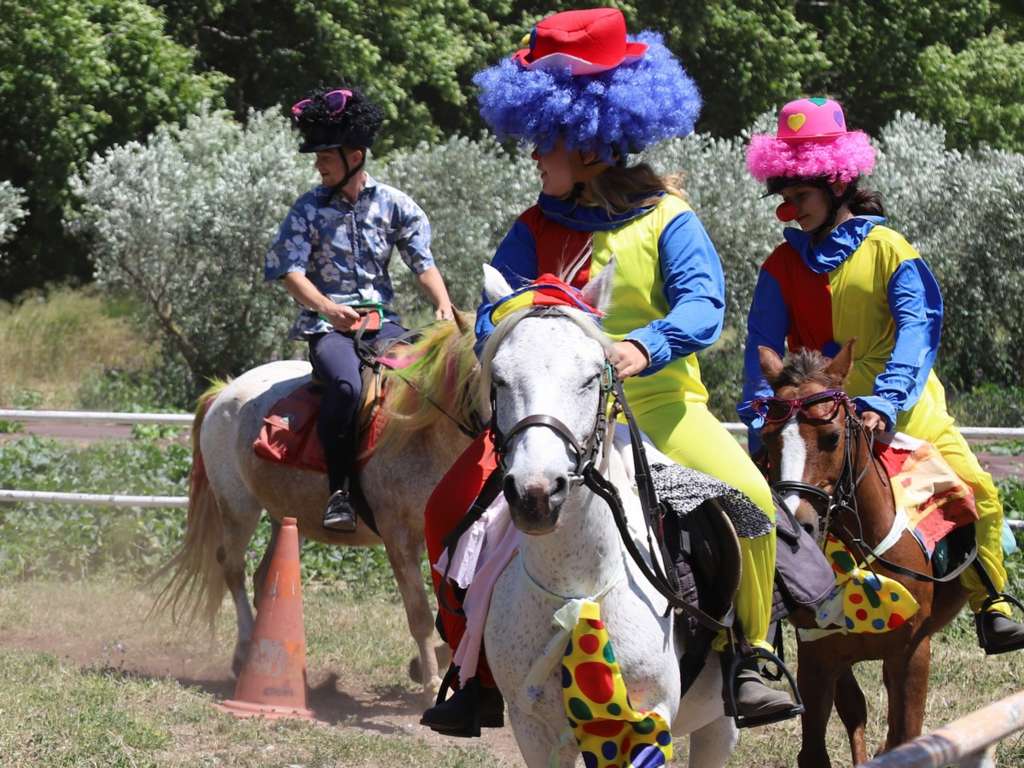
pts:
pixel 965 743
pixel 185 420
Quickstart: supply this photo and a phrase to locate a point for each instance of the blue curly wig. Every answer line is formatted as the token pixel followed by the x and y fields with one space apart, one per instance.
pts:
pixel 624 110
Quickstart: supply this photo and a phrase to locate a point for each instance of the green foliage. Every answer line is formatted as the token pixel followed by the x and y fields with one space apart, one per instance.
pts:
pixel 965 214
pixel 990 405
pixel 182 222
pixel 747 56
pixel 873 48
pixel 472 192
pixel 38 539
pixel 977 93
pixel 12 211
pixel 415 58
pixel 77 76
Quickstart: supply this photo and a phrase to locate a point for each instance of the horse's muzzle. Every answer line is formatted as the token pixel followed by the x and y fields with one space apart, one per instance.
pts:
pixel 535 506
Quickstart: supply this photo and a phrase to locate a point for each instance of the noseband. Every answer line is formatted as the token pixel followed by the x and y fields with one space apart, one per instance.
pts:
pixel 586 455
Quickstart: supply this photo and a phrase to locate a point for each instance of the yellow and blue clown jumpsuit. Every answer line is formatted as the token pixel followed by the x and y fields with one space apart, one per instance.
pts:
pixel 668 296
pixel 865 281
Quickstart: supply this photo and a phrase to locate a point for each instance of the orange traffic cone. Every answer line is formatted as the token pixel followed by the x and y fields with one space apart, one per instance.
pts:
pixel 273 680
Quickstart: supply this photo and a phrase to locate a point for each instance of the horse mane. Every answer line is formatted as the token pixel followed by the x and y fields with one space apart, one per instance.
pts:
pixel 444 372
pixel 803 366
pixel 502 329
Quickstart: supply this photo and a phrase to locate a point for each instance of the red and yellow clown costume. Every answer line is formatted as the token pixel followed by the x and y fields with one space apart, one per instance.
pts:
pixel 860 281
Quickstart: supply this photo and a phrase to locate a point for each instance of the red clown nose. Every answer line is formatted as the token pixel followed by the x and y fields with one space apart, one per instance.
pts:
pixel 786 212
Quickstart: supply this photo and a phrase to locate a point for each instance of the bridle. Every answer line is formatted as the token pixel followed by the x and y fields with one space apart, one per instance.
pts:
pixel 844 498
pixel 586 455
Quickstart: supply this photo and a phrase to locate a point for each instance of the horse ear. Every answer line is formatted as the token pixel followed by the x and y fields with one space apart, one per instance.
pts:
pixel 598 291
pixel 771 363
pixel 841 363
pixel 495 285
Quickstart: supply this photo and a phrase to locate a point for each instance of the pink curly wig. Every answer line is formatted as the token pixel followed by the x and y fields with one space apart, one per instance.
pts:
pixel 843 158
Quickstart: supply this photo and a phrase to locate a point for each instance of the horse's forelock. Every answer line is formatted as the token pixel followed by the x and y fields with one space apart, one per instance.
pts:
pixel 802 367
pixel 506 326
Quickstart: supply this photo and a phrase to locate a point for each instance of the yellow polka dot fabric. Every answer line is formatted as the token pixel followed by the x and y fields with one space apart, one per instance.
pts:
pixel 609 732
pixel 872 603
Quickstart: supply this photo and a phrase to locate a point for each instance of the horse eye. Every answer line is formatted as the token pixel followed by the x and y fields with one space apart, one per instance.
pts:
pixel 590 381
pixel 829 441
pixel 498 382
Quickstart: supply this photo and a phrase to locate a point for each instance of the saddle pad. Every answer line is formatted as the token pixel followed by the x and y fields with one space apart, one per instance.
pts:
pixel 934 498
pixel 288 435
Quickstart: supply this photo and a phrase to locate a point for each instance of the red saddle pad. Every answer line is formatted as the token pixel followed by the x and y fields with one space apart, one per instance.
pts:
pixel 288 435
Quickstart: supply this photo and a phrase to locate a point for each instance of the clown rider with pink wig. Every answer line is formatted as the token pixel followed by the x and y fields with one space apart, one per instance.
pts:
pixel 583 95
pixel 841 274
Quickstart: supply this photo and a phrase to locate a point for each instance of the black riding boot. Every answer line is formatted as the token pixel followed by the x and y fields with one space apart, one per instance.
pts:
pixel 467 710
pixel 998 633
pixel 340 515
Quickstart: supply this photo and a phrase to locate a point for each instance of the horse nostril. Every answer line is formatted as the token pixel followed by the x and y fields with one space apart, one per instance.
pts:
pixel 561 484
pixel 510 490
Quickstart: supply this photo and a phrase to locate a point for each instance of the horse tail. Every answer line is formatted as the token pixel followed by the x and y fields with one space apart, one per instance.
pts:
pixel 196 587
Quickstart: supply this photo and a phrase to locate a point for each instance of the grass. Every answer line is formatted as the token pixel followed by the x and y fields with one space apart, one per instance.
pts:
pixel 54 343
pixel 137 692
pixel 132 692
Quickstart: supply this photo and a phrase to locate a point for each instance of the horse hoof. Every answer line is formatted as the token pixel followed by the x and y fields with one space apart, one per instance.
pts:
pixel 443 655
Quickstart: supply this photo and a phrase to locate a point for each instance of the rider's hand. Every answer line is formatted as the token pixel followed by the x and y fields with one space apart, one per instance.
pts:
pixel 444 312
pixel 872 421
pixel 341 316
pixel 628 359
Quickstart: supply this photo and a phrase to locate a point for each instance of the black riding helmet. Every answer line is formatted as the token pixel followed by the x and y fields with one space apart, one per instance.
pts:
pixel 333 118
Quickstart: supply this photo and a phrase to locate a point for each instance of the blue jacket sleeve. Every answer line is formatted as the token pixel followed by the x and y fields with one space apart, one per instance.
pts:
pixel 767 326
pixel 516 260
pixel 916 305
pixel 694 289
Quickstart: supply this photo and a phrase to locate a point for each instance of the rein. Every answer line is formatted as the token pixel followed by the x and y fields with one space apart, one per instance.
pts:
pixel 586 472
pixel 376 360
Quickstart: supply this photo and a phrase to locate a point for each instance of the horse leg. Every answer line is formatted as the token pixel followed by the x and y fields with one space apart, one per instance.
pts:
pixel 853 710
pixel 711 745
pixel 240 521
pixel 539 743
pixel 404 554
pixel 816 680
pixel 906 682
pixel 260 576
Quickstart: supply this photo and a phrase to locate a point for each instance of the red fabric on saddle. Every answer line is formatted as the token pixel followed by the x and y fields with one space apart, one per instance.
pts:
pixel 288 435
pixel 935 499
pixel 453 496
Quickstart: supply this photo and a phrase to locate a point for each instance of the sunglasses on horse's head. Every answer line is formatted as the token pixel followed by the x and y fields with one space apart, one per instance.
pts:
pixel 819 407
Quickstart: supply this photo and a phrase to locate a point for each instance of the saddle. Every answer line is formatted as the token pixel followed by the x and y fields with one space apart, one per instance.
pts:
pixel 703 520
pixel 288 435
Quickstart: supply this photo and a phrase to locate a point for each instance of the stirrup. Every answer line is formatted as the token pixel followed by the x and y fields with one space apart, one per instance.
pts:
pixel 731 705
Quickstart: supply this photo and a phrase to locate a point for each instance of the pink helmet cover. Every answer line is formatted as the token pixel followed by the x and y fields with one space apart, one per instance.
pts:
pixel 811 142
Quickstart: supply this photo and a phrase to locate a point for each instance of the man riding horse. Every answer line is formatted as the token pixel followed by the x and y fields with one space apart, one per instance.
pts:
pixel 332 253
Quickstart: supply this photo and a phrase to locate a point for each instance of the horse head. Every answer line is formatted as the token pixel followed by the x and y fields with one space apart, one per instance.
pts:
pixel 545 375
pixel 805 432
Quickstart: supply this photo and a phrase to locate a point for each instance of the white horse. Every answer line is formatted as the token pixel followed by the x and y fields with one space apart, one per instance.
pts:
pixel 231 486
pixel 552 365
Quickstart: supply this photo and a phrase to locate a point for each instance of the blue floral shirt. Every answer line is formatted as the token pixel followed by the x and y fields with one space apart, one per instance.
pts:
pixel 344 248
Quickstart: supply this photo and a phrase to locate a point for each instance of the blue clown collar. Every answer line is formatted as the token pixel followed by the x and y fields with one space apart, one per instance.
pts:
pixel 586 218
pixel 837 246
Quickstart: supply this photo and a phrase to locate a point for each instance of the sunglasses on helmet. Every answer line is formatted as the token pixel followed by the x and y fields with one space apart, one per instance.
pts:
pixel 335 101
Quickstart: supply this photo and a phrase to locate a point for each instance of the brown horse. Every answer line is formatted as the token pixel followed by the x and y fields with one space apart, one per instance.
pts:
pixel 426 406
pixel 817 453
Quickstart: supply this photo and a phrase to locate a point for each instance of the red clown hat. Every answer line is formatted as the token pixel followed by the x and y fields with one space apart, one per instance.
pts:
pixel 587 42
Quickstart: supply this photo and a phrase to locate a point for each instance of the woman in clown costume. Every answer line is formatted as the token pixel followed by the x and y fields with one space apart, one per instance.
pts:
pixel 842 275
pixel 584 94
